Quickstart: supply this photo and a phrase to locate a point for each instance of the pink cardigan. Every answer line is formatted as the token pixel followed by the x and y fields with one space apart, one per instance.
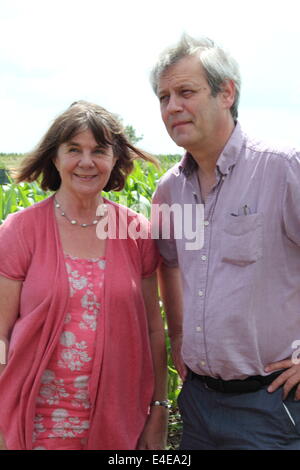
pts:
pixel 121 384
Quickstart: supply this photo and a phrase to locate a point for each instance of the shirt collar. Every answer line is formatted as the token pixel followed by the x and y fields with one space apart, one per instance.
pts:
pixel 227 158
pixel 187 164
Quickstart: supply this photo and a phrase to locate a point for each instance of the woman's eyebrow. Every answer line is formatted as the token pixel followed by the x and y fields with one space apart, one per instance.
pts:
pixel 71 142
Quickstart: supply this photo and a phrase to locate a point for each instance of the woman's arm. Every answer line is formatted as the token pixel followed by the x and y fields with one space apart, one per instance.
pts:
pixel 9 308
pixel 10 291
pixel 155 432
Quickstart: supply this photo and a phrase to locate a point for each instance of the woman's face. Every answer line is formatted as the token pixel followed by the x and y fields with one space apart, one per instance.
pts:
pixel 84 166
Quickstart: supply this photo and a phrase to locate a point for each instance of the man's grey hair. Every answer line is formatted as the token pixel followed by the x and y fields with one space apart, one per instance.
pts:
pixel 217 63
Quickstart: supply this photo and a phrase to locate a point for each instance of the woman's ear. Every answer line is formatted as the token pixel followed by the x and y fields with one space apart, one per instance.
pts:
pixel 54 161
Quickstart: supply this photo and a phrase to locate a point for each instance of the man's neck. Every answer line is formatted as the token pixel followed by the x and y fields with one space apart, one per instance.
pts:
pixel 207 156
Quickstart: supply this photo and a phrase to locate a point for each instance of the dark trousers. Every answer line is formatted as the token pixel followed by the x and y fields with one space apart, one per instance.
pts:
pixel 230 421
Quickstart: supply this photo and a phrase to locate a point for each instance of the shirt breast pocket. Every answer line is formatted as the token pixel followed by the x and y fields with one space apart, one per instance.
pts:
pixel 242 239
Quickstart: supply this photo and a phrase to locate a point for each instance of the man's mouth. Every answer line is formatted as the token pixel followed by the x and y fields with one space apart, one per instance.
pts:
pixel 179 123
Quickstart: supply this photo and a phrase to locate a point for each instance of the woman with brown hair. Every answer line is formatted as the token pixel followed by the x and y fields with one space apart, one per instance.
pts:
pixel 79 311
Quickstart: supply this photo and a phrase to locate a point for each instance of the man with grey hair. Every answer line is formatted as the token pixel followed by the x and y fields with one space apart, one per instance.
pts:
pixel 232 305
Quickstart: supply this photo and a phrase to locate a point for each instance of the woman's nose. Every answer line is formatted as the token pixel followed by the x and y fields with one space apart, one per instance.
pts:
pixel 86 159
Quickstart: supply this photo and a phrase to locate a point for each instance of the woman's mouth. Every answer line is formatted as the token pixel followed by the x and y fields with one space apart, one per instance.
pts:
pixel 85 177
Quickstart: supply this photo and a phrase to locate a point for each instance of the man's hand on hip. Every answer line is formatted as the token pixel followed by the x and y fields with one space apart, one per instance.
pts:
pixel 289 377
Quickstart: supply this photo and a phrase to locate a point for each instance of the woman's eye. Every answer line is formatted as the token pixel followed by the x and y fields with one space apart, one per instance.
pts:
pixel 99 152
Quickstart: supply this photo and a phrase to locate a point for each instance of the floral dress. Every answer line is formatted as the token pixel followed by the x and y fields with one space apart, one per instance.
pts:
pixel 63 404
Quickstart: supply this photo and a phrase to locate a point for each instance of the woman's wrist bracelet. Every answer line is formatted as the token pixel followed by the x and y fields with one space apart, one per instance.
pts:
pixel 164 403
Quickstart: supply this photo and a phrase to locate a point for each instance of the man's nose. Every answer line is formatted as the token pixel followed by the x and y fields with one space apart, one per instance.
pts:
pixel 174 104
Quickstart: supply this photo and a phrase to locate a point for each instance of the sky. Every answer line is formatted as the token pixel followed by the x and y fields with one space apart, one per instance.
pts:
pixel 54 52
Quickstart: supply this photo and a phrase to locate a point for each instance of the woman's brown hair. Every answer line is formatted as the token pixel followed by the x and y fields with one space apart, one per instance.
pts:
pixel 80 116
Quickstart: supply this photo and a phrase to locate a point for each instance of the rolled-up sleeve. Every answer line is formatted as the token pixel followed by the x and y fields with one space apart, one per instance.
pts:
pixel 163 227
pixel 14 250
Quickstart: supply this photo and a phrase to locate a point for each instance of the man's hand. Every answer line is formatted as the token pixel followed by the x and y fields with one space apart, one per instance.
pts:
pixel 176 343
pixel 289 377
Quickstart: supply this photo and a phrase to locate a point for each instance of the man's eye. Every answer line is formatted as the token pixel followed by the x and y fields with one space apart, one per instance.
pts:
pixel 186 92
pixel 163 98
pixel 73 150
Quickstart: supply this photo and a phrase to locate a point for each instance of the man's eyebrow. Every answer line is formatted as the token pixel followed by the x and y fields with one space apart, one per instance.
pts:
pixel 160 90
pixel 178 86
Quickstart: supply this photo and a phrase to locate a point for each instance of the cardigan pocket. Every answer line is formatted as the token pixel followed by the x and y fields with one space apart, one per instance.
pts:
pixel 242 239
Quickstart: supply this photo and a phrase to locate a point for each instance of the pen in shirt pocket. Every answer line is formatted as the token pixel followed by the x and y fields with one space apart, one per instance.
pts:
pixel 245 210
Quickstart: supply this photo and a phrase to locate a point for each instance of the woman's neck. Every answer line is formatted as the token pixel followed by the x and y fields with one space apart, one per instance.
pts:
pixel 76 204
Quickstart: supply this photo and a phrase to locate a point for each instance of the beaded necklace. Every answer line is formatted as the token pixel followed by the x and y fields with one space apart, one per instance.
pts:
pixel 101 211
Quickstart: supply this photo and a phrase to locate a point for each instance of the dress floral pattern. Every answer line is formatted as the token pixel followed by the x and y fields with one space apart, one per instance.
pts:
pixel 63 403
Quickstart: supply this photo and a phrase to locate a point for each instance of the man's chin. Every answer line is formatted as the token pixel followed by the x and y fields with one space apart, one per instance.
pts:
pixel 181 142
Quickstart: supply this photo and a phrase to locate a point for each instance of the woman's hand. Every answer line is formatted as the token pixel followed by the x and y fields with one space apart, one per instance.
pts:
pixel 2 442
pixel 154 435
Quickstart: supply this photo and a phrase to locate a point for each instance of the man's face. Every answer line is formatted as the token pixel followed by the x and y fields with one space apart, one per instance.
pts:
pixel 192 116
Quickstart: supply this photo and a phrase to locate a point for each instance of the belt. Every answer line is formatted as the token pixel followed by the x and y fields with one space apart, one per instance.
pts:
pixel 250 384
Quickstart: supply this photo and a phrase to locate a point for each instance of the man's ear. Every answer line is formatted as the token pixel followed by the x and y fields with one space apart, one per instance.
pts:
pixel 227 93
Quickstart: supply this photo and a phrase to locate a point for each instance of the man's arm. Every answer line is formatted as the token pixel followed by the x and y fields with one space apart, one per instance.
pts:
pixel 290 376
pixel 171 293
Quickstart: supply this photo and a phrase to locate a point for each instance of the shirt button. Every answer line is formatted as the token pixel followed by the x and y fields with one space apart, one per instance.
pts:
pixel 201 293
pixel 206 223
pixel 198 328
pixel 202 363
pixel 204 258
